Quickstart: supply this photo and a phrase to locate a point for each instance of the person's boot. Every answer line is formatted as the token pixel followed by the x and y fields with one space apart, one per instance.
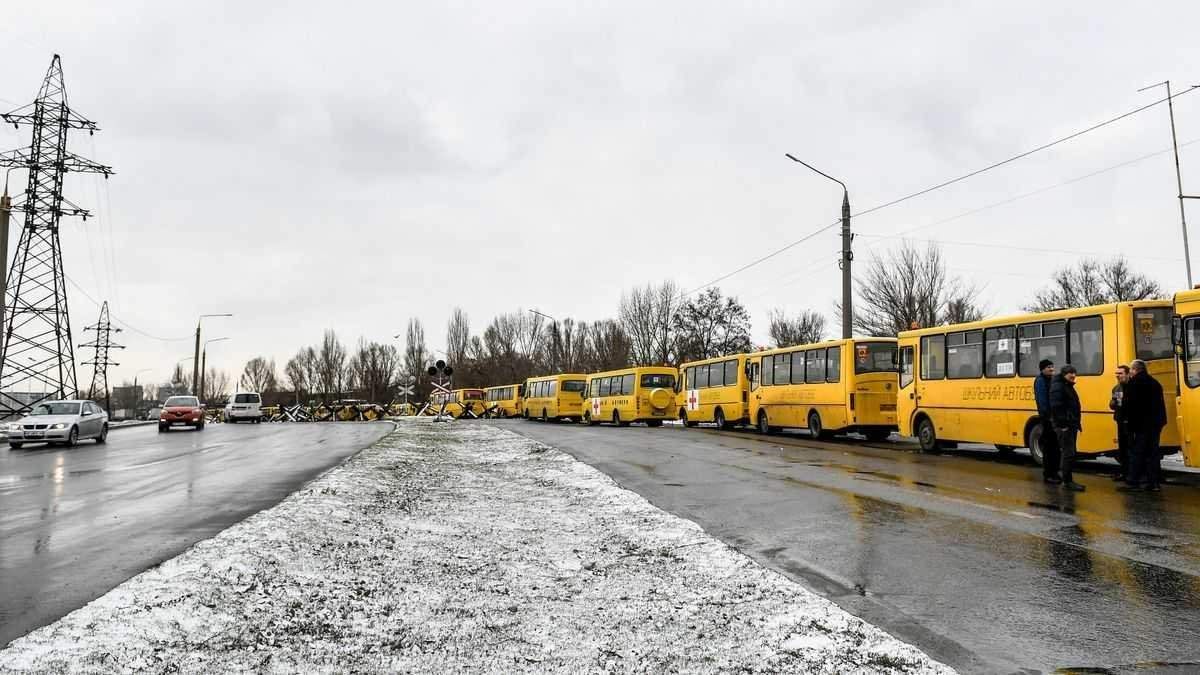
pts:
pixel 1070 484
pixel 1052 480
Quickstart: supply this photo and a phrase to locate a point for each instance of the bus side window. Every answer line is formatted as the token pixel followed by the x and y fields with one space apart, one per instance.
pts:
pixel 752 369
pixel 627 384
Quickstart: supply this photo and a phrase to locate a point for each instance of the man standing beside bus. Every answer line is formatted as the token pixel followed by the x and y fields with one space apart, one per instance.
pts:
pixel 1066 415
pixel 1114 404
pixel 1145 415
pixel 1048 440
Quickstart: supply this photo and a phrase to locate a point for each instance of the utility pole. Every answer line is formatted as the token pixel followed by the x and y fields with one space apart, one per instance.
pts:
pixel 100 362
pixel 1187 256
pixel 847 253
pixel 37 340
pixel 5 212
pixel 196 356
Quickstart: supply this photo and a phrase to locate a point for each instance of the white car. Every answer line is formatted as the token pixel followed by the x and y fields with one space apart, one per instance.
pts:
pixel 244 405
pixel 55 422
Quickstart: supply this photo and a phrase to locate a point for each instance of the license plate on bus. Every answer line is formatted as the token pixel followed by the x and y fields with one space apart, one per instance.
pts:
pixel 660 413
pixel 887 407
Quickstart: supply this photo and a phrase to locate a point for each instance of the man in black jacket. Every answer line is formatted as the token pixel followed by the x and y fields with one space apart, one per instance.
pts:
pixel 1145 414
pixel 1066 415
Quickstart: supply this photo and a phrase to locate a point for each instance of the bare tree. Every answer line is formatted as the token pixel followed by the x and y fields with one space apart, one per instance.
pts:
pixel 647 314
pixel 216 387
pixel 711 325
pixel 259 375
pixel 610 346
pixel 1091 282
pixel 909 287
pixel 375 367
pixel 298 374
pixel 803 329
pixel 331 365
pixel 416 354
pixel 181 380
pixel 458 338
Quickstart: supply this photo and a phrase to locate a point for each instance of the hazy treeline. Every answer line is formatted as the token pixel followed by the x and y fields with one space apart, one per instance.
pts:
pixel 654 324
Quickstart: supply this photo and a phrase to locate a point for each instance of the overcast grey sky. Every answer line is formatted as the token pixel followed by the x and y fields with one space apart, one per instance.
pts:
pixel 352 164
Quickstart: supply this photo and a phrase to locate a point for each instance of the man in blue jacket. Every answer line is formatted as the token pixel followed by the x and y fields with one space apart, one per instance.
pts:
pixel 1049 441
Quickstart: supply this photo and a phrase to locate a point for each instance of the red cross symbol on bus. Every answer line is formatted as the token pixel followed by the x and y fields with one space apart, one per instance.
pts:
pixel 595 407
pixel 692 400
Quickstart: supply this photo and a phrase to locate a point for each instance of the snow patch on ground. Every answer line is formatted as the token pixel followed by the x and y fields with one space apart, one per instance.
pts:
pixel 462 547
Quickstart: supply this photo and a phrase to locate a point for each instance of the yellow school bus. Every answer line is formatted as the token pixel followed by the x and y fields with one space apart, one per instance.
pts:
pixel 1187 338
pixel 973 382
pixel 643 394
pixel 458 402
pixel 715 390
pixel 504 401
pixel 837 386
pixel 554 397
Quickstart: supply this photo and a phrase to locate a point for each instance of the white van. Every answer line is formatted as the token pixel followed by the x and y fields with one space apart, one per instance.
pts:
pixel 244 405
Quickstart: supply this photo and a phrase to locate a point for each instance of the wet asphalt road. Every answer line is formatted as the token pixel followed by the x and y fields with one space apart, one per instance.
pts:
pixel 967 555
pixel 76 522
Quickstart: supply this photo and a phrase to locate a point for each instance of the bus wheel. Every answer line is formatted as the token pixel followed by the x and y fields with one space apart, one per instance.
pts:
pixel 764 426
pixel 588 418
pixel 927 435
pixel 814 426
pixel 1033 439
pixel 719 419
pixel 683 417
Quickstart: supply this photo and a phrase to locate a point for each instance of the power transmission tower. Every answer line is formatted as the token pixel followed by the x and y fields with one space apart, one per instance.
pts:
pixel 36 346
pixel 100 362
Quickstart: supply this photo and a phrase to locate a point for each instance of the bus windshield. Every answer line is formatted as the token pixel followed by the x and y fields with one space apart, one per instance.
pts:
pixel 874 357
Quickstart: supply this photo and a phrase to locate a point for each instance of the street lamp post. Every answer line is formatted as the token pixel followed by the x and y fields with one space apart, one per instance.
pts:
pixel 554 335
pixel 204 364
pixel 1187 258
pixel 196 356
pixel 847 253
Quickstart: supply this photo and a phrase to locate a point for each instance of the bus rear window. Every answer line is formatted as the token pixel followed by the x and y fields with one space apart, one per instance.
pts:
pixel 574 385
pixel 874 357
pixel 661 380
pixel 1152 330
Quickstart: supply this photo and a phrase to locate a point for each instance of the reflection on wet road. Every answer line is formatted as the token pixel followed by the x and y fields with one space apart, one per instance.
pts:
pixel 76 522
pixel 972 558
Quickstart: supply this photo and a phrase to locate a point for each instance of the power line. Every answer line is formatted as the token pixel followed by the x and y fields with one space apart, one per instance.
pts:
pixel 787 281
pixel 1028 249
pixel 941 185
pixel 125 323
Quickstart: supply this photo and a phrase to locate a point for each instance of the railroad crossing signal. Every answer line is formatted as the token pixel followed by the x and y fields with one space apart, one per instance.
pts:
pixel 406 390
pixel 440 372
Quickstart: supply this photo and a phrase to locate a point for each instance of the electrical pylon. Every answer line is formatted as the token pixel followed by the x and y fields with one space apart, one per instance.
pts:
pixel 36 350
pixel 100 363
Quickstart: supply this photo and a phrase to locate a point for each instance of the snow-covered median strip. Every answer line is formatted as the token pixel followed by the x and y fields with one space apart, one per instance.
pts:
pixel 462 546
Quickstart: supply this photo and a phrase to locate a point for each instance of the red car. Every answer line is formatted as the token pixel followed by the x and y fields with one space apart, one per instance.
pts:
pixel 181 411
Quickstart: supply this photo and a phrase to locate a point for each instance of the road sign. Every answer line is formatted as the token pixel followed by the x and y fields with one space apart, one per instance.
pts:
pixel 406 390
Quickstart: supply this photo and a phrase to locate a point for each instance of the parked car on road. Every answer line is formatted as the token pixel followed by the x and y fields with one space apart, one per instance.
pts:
pixel 245 405
pixel 56 422
pixel 181 411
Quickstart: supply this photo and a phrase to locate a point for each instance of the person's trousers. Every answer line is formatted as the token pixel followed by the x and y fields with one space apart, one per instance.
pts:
pixel 1124 440
pixel 1145 462
pixel 1050 454
pixel 1066 451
